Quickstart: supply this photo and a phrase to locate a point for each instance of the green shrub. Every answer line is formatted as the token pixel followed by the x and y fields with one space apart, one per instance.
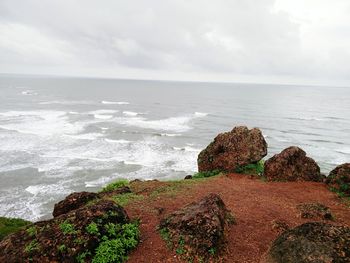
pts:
pixel 206 174
pixel 33 245
pixel 11 225
pixel 67 228
pixel 253 168
pixel 117 242
pixel 92 229
pixel 115 185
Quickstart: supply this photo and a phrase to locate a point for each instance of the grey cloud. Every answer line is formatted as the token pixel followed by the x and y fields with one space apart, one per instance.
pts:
pixel 217 37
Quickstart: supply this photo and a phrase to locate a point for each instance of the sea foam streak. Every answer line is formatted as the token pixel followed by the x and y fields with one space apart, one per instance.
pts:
pixel 115 102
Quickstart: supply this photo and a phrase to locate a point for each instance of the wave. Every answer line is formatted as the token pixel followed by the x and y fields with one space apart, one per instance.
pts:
pixel 29 92
pixel 130 113
pixel 200 114
pixel 103 116
pixel 117 141
pixel 67 102
pixel 115 102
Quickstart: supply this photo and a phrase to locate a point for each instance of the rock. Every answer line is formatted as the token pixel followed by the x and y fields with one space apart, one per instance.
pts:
pixel 315 211
pixel 231 150
pixel 292 164
pixel 314 242
pixel 63 238
pixel 339 179
pixel 199 227
pixel 72 202
pixel 188 177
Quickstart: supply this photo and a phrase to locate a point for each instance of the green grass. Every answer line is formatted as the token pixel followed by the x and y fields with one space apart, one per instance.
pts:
pixel 11 225
pixel 164 233
pixel 124 199
pixel 115 185
pixel 206 174
pixel 253 168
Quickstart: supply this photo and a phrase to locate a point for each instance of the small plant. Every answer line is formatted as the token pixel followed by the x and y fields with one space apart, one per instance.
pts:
pixel 79 241
pixel 92 229
pixel 180 248
pixel 206 174
pixel 117 242
pixel 212 251
pixel 62 248
pixel 253 168
pixel 33 245
pixel 164 233
pixel 124 199
pixel 31 231
pixel 81 257
pixel 67 228
pixel 11 225
pixel 115 185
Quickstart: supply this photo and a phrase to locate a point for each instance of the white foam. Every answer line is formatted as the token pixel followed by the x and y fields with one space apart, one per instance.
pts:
pixel 130 113
pixel 41 122
pixel 29 92
pixel 103 117
pixel 117 141
pixel 104 128
pixel 200 114
pixel 170 134
pixel 103 111
pixel 85 136
pixel 115 102
pixel 66 102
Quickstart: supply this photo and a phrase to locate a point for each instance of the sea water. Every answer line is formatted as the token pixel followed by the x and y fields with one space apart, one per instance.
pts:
pixel 60 135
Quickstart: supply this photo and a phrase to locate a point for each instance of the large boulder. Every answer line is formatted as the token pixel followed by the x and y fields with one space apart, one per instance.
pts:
pixel 72 202
pixel 198 228
pixel 65 238
pixel 314 242
pixel 292 164
pixel 339 179
pixel 232 150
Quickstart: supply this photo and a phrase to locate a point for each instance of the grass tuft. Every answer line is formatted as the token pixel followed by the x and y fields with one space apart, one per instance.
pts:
pixel 253 168
pixel 206 174
pixel 115 185
pixel 11 225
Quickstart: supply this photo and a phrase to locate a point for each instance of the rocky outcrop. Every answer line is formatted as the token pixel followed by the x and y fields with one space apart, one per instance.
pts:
pixel 292 164
pixel 312 243
pixel 339 179
pixel 199 227
pixel 234 149
pixel 72 202
pixel 315 211
pixel 64 238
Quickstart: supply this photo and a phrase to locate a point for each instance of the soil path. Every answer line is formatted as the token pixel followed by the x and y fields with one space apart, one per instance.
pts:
pixel 256 205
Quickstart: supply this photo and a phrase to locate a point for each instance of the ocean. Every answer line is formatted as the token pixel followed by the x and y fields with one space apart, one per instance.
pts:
pixel 60 135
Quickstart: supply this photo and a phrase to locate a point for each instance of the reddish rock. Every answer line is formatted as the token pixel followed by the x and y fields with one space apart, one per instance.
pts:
pixel 315 211
pixel 198 227
pixel 292 164
pixel 314 242
pixel 339 179
pixel 63 238
pixel 231 150
pixel 72 202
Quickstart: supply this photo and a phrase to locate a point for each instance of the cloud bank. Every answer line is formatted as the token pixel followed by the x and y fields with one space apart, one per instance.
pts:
pixel 227 40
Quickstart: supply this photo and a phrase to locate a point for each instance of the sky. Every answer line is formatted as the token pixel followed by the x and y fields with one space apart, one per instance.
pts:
pixel 260 41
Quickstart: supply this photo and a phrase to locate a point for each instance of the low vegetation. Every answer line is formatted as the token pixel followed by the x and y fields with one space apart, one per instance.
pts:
pixel 115 242
pixel 124 199
pixel 115 185
pixel 206 174
pixel 11 225
pixel 253 168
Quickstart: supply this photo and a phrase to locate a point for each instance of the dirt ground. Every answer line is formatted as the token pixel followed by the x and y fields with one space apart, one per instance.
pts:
pixel 258 207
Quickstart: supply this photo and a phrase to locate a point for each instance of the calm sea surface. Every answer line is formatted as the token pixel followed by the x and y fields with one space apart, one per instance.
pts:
pixel 59 135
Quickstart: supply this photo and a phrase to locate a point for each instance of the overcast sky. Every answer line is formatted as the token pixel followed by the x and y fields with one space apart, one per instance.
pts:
pixel 271 41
